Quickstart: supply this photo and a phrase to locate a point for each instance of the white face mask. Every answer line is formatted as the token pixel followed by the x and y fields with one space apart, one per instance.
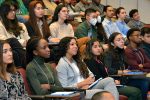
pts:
pixel 93 21
pixel 99 19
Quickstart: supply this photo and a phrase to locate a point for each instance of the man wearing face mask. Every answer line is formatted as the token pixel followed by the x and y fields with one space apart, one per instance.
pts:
pixel 88 28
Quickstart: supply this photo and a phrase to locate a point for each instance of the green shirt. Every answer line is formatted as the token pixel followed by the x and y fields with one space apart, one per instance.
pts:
pixel 83 30
pixel 38 72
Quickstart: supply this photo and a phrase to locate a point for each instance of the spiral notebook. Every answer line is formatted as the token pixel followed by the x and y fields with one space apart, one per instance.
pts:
pixel 94 83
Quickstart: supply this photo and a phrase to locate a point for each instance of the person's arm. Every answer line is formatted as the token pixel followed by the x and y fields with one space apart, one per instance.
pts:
pixel 34 82
pixel 62 73
pixel 3 32
pixel 106 29
pixel 81 31
pixel 57 86
pixel 71 30
pixel 53 30
pixel 21 87
pixel 130 59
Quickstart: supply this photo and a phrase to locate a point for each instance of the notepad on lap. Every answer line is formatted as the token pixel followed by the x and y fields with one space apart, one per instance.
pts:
pixel 94 83
pixel 64 93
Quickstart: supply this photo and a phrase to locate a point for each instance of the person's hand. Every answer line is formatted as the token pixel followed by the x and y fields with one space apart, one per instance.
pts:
pixel 85 87
pixel 45 86
pixel 140 65
pixel 89 80
pixel 126 71
pixel 82 13
pixel 117 82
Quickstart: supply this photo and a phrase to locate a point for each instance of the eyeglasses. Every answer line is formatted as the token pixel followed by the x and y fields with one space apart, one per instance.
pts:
pixel 12 10
pixel 136 35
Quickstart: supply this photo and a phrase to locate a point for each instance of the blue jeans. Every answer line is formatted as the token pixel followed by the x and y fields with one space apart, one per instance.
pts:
pixel 142 83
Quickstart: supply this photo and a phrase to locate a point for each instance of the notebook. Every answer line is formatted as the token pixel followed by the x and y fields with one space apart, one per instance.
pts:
pixel 94 83
pixel 63 93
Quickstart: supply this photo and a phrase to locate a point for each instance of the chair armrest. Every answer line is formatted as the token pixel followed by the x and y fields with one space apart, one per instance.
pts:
pixel 37 97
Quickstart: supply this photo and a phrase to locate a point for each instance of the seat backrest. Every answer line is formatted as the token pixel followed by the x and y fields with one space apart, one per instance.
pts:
pixel 23 73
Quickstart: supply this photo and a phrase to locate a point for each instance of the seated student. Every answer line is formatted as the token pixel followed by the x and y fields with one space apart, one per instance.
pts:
pixel 11 83
pixel 135 19
pixel 22 12
pixel 50 5
pixel 72 13
pixel 37 24
pixel 9 25
pixel 72 72
pixel 121 15
pixel 109 26
pixel 145 33
pixel 96 4
pixel 81 6
pixel 136 57
pixel 59 26
pixel 103 95
pixel 93 59
pixel 14 31
pixel 87 28
pixel 114 59
pixel 41 77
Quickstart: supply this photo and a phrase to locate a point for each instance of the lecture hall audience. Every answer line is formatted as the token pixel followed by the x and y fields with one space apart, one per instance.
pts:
pixel 52 21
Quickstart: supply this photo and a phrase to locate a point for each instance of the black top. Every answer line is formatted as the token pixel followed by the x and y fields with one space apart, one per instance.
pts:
pixel 114 60
pixel 97 68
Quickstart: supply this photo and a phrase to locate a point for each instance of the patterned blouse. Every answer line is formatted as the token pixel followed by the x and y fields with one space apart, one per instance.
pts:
pixel 13 89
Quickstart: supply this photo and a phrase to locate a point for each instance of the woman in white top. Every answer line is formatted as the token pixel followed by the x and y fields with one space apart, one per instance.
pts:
pixel 72 72
pixel 14 32
pixel 9 25
pixel 60 27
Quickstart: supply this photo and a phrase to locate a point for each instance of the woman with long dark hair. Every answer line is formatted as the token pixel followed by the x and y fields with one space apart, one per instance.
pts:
pixel 9 25
pixel 11 82
pixel 59 26
pixel 93 58
pixel 37 24
pixel 72 71
pixel 115 61
pixel 13 31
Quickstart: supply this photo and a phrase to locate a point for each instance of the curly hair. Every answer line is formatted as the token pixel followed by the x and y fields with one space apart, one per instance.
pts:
pixel 63 47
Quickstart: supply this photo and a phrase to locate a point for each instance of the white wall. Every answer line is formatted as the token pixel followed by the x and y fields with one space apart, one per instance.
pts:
pixel 142 5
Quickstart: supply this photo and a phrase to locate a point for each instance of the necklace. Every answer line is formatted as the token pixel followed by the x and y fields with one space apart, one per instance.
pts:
pixel 44 72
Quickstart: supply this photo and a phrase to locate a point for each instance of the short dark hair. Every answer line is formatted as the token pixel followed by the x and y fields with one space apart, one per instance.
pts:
pixel 145 30
pixel 99 95
pixel 105 7
pixel 132 12
pixel 118 11
pixel 89 11
pixel 130 32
